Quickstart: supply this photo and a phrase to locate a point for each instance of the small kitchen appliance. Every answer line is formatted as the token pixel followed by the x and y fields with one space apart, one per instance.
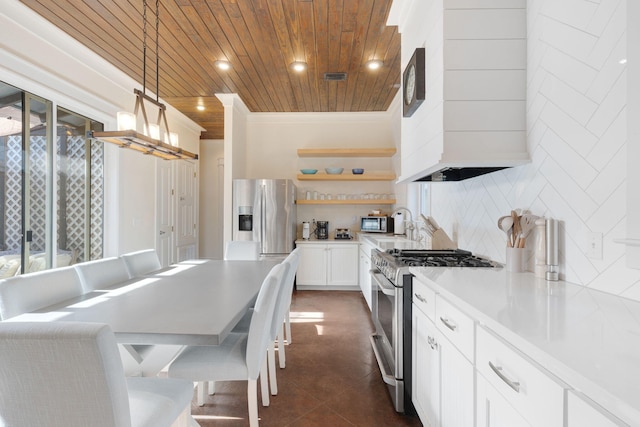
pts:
pixel 322 230
pixel 343 234
pixel 306 230
pixel 376 224
pixel 391 310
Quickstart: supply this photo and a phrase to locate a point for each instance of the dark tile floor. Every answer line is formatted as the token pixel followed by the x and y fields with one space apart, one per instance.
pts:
pixel 331 378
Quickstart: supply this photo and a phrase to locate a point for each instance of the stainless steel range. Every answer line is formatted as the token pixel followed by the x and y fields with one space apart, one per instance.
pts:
pixel 391 310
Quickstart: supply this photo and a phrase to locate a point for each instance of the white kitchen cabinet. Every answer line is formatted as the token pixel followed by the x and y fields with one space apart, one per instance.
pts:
pixel 457 387
pixel 442 376
pixel 582 411
pixel 532 392
pixel 364 265
pixel 493 410
pixel 456 364
pixel 327 265
pixel 425 360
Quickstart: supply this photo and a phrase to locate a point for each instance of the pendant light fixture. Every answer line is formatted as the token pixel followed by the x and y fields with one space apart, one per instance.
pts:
pixel 150 141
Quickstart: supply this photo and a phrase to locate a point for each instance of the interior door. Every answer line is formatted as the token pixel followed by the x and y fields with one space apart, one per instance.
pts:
pixel 186 190
pixel 164 221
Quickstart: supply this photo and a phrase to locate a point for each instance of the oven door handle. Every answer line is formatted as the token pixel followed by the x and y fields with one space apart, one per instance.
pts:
pixel 386 375
pixel 383 285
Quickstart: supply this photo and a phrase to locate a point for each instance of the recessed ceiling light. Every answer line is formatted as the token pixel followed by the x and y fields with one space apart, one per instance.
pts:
pixel 623 61
pixel 299 66
pixel 374 64
pixel 200 107
pixel 223 65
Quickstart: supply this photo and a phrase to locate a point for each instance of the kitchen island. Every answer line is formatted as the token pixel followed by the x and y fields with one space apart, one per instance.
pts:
pixel 588 341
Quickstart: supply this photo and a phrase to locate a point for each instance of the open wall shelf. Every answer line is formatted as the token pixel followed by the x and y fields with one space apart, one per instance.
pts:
pixel 346 152
pixel 347 177
pixel 348 202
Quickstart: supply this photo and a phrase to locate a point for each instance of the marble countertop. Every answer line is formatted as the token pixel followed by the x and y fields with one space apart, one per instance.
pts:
pixel 587 338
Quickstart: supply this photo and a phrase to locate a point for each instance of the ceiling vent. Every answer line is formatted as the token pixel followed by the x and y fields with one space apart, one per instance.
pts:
pixel 335 77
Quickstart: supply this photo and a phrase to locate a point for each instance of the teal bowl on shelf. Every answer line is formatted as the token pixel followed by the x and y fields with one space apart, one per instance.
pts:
pixel 333 171
pixel 357 171
pixel 308 171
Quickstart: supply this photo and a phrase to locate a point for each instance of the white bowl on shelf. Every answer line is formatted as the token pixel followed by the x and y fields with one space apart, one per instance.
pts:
pixel 333 171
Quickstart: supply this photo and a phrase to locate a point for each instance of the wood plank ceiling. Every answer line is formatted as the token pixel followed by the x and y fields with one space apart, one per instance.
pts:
pixel 260 38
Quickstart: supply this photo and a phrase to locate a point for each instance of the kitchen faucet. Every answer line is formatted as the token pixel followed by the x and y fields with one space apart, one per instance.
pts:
pixel 409 227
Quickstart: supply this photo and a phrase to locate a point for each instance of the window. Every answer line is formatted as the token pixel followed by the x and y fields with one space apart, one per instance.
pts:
pixel 47 218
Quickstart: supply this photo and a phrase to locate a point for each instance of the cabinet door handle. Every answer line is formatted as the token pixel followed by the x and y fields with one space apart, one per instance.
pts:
pixel 511 383
pixel 432 343
pixel 421 298
pixel 448 324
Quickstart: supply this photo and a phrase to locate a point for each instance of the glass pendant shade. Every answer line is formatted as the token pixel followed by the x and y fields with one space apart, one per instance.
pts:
pixel 126 120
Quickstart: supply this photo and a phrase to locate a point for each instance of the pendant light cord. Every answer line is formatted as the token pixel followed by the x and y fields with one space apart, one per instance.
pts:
pixel 144 48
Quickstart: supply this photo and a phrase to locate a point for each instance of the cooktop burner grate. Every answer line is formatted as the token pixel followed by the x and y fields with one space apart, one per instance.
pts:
pixel 438 258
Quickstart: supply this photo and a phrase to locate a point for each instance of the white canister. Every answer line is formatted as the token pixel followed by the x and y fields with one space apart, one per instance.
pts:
pixel 398 223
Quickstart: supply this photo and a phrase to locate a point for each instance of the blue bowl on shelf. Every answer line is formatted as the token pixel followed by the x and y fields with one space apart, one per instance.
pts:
pixel 308 171
pixel 357 171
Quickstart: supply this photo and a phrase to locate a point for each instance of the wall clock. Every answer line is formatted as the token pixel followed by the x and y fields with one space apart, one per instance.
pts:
pixel 413 83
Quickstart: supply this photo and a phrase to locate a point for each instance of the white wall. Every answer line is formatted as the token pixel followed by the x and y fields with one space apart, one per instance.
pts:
pixel 273 140
pixel 577 138
pixel 211 193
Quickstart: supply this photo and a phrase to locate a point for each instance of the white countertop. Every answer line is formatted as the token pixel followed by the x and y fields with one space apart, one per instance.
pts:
pixel 589 339
pixel 325 241
pixel 390 241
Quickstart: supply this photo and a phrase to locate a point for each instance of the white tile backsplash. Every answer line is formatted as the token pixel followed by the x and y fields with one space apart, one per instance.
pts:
pixel 576 135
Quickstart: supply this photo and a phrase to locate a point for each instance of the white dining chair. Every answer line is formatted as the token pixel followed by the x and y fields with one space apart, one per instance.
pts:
pixel 28 292
pixel 69 374
pixel 242 250
pixel 294 260
pixel 142 262
pixel 240 356
pixel 277 326
pixel 102 273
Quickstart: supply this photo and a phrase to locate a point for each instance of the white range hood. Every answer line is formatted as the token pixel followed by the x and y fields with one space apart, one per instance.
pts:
pixel 473 119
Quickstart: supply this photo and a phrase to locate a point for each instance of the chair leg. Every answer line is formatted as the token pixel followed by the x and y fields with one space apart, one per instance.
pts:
pixel 252 398
pixel 271 359
pixel 287 322
pixel 202 392
pixel 212 388
pixel 281 351
pixel 264 384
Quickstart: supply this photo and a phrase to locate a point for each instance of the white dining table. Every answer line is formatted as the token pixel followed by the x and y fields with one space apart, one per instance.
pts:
pixel 195 302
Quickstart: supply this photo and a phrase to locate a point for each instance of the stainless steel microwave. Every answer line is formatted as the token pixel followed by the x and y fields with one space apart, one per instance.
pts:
pixel 376 224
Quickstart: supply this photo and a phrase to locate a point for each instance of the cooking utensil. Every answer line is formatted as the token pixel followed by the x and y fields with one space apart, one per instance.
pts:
pixel 527 223
pixel 505 223
pixel 515 231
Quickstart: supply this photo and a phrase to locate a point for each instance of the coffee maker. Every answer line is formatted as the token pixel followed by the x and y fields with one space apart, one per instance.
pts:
pixel 322 230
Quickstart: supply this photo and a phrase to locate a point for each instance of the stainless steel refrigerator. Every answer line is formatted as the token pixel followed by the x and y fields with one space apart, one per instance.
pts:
pixel 264 210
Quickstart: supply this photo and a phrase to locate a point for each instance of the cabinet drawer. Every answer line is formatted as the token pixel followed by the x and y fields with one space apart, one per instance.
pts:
pixel 537 396
pixel 424 298
pixel 456 326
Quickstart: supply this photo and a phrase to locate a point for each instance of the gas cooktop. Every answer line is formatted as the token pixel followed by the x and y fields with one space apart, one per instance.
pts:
pixel 395 262
pixel 438 258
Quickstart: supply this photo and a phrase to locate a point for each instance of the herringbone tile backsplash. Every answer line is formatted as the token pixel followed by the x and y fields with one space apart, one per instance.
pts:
pixel 577 136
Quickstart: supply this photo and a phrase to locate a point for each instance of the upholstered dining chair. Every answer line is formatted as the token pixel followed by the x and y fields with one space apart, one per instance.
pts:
pixel 28 292
pixel 241 356
pixel 73 373
pixel 142 262
pixel 277 326
pixel 102 273
pixel 242 250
